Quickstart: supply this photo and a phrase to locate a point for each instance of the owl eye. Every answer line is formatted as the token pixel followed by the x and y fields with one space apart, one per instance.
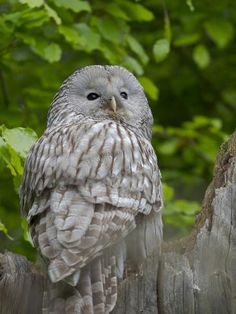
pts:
pixel 92 96
pixel 124 95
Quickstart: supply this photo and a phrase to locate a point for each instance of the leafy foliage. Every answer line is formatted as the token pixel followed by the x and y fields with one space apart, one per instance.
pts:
pixel 183 53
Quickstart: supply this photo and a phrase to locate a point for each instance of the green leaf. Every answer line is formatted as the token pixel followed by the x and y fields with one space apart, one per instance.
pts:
pixel 6 31
pixel 229 96
pixel 53 14
pixel 17 180
pixel 201 56
pixel 133 65
pixel 3 150
pixel 15 162
pixel 168 192
pixel 115 10
pixel 110 29
pixel 137 11
pixel 19 139
pixel 216 123
pixel 111 55
pixel 14 146
pixel 33 3
pixel 161 49
pixel 52 52
pixel 220 31
pixel 26 234
pixel 27 39
pixel 89 38
pixel 190 5
pixel 149 87
pixel 187 39
pixel 138 49
pixel 187 207
pixel 70 33
pixel 3 229
pixel 197 122
pixel 35 19
pixel 10 158
pixel 74 5
pixel 14 18
pixel 27 18
pixel 169 147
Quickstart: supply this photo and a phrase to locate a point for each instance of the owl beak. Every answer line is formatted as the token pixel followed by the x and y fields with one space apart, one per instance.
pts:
pixel 113 103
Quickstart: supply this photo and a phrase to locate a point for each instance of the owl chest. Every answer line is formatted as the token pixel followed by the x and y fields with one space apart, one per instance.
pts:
pixel 108 152
pixel 96 159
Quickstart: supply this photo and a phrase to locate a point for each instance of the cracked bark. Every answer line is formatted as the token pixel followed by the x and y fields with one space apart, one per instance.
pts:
pixel 194 275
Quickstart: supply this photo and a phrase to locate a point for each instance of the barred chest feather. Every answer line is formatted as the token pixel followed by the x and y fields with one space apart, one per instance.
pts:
pixel 108 162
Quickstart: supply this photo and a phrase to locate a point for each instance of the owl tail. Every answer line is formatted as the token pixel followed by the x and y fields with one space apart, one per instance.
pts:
pixel 95 293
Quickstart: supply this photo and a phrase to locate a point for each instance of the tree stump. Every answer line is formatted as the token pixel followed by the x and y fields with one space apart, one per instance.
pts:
pixel 194 275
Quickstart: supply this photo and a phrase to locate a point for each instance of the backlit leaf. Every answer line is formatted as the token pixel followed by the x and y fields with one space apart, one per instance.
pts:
pixel 133 65
pixel 115 10
pixel 3 229
pixel 138 49
pixel 221 31
pixel 201 56
pixel 137 11
pixel 190 5
pixel 33 3
pixel 52 52
pixel 53 14
pixel 74 5
pixel 187 39
pixel 149 87
pixel 70 33
pixel 161 49
pixel 89 38
pixel 20 139
pixel 110 29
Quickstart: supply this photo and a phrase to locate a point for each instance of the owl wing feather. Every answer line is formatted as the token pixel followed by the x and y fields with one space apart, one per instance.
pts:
pixel 82 189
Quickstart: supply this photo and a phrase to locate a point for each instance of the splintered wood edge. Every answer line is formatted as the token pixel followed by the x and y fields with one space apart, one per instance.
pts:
pixel 223 162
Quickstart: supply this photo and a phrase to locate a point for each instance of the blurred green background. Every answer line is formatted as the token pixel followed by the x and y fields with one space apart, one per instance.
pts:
pixel 183 52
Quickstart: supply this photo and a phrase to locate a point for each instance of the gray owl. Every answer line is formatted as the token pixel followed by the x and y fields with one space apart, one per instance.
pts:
pixel 91 187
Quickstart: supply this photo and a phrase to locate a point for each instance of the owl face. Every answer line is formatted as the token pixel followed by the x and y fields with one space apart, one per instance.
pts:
pixel 107 92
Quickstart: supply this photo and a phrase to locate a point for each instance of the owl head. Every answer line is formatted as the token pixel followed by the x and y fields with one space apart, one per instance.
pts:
pixel 102 92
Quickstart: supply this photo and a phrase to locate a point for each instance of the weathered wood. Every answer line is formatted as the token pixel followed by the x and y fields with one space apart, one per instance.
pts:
pixel 21 289
pixel 196 275
pixel 138 293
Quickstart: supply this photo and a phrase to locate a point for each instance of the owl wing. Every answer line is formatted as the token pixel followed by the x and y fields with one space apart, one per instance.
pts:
pixel 82 188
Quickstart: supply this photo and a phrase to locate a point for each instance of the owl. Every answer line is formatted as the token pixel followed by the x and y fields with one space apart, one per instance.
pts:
pixel 91 188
